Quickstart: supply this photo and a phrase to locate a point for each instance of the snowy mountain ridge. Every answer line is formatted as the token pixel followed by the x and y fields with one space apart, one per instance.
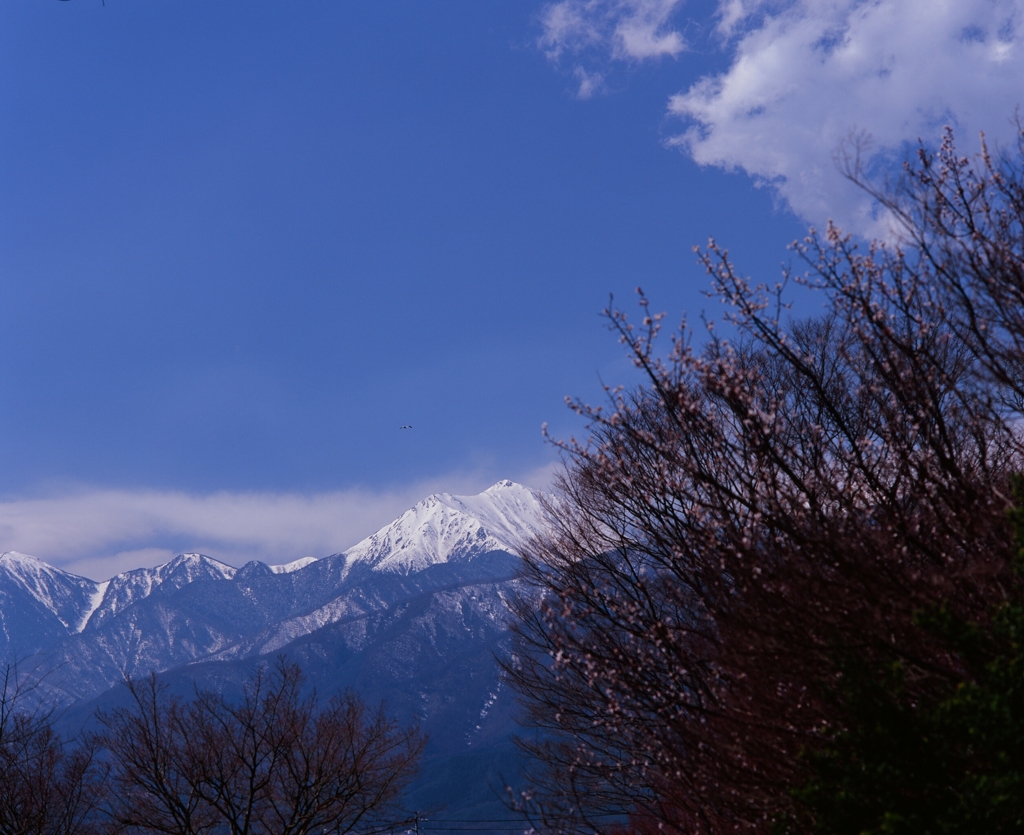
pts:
pixel 57 591
pixel 128 587
pixel 415 614
pixel 440 528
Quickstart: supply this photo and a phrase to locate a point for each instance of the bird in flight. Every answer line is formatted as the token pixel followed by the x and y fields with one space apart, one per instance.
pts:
pixel 407 426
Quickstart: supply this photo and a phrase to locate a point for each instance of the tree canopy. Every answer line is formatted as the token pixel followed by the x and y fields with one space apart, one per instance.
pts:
pixel 782 588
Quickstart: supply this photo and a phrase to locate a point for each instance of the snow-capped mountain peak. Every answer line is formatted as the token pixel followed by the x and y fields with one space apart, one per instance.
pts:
pixel 61 594
pixel 192 565
pixel 42 606
pixel 20 564
pixel 294 565
pixel 444 527
pixel 129 587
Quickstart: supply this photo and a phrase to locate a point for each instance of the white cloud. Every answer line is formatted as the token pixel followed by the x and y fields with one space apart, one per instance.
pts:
pixel 805 77
pixel 100 532
pixel 733 12
pixel 806 74
pixel 631 30
pixel 590 83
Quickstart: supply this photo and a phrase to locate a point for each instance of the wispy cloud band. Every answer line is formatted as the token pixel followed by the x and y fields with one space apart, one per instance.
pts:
pixel 99 532
pixel 629 30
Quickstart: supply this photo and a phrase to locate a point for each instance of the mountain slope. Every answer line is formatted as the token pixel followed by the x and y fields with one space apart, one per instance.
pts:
pixel 124 590
pixel 414 614
pixel 445 527
pixel 39 604
pixel 195 608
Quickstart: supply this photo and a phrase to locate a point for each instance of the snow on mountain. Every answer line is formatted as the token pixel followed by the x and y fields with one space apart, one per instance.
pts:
pixel 416 614
pixel 94 603
pixel 39 604
pixel 131 586
pixel 444 527
pixel 294 565
pixel 57 591
pixel 192 606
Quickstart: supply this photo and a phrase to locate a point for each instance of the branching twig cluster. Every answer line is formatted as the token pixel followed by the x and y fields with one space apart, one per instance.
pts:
pixel 758 512
pixel 276 762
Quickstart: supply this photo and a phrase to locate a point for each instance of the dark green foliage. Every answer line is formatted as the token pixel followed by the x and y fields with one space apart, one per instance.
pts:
pixel 926 754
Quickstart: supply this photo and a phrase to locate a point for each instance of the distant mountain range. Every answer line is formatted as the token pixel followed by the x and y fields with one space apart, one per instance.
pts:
pixel 413 614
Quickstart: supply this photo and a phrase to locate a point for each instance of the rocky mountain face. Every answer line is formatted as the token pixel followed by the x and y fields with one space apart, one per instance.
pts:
pixel 39 604
pixel 414 614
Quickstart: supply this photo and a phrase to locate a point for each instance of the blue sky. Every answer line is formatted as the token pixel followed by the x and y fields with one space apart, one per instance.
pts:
pixel 241 244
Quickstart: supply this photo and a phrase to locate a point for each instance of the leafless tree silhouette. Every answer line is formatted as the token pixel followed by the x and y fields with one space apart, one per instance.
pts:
pixel 274 762
pixel 48 786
